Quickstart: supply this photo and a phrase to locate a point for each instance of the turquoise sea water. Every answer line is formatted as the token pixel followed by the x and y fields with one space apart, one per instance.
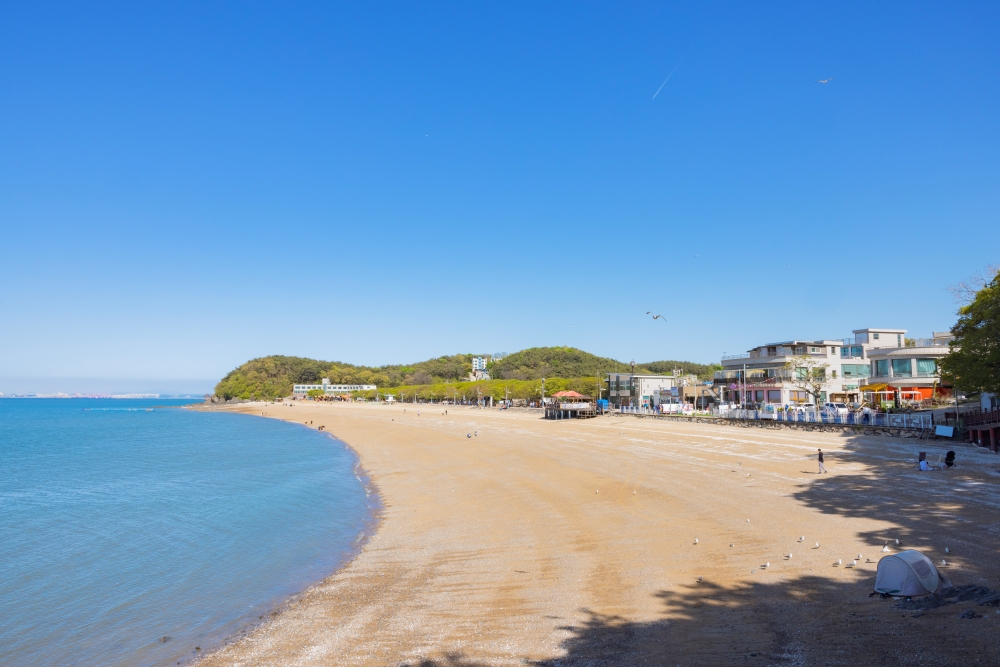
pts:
pixel 121 525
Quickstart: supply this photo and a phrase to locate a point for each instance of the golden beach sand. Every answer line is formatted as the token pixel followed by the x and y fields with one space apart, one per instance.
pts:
pixel 573 543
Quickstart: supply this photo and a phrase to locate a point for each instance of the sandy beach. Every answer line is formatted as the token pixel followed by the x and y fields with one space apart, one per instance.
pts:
pixel 574 543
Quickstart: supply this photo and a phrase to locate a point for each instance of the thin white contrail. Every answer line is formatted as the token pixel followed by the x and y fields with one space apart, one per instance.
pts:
pixel 665 80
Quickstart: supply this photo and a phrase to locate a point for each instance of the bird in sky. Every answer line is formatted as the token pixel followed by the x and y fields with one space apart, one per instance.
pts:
pixel 825 81
pixel 655 317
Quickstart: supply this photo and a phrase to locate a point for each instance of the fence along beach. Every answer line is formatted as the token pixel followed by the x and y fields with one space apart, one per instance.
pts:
pixel 622 541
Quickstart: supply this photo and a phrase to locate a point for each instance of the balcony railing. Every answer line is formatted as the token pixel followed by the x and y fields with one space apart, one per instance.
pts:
pixel 918 374
pixel 919 343
pixel 730 357
pixel 860 339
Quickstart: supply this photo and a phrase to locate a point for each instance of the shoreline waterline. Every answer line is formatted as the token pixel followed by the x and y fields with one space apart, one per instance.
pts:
pixel 372 521
pixel 506 539
pixel 136 534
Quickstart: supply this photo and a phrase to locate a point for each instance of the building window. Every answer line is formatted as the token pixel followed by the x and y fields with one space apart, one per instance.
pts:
pixel 759 396
pixel 855 370
pixel 882 367
pixel 798 396
pixel 901 367
pixel 774 396
pixel 875 336
pixel 926 367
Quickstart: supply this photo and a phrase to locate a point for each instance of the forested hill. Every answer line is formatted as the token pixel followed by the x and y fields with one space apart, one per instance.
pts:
pixel 569 362
pixel 271 377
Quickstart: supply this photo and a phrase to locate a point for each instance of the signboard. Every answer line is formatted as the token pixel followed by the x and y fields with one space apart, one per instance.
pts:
pixel 945 431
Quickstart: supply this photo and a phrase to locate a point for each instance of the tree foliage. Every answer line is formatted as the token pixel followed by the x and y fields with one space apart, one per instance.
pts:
pixel 498 389
pixel 809 375
pixel 973 360
pixel 272 377
pixel 569 362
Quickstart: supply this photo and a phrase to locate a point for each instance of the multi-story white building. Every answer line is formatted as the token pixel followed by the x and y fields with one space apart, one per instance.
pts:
pixel 876 362
pixel 479 363
pixel 301 390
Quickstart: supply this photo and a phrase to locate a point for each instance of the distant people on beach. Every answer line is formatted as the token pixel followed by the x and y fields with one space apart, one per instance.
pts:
pixel 949 460
pixel 922 463
pixel 822 468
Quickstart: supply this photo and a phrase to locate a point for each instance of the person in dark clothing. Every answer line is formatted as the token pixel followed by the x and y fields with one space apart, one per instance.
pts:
pixel 949 460
pixel 822 468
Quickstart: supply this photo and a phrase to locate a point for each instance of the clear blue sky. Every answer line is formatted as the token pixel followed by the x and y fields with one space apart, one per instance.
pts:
pixel 184 186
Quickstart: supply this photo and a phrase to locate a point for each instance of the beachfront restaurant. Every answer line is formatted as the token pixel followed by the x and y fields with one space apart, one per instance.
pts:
pixel 570 405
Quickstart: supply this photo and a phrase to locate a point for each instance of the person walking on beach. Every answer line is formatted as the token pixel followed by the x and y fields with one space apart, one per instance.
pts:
pixel 822 468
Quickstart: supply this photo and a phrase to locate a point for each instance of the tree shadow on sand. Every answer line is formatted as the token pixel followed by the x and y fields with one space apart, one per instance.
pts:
pixel 929 511
pixel 815 619
pixel 808 621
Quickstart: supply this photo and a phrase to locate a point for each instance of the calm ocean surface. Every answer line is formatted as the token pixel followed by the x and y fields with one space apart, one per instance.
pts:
pixel 120 526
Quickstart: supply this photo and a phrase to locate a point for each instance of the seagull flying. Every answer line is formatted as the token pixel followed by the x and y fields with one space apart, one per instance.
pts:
pixel 825 81
pixel 655 317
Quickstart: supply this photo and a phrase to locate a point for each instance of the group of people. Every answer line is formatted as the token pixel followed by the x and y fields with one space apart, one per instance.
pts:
pixel 923 464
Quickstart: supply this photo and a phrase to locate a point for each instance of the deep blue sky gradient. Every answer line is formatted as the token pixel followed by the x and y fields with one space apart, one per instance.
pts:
pixel 184 186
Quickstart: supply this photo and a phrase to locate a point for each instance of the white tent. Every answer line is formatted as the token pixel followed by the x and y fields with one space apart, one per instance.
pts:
pixel 908 573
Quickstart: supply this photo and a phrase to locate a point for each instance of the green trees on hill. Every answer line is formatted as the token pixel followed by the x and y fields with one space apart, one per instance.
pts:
pixel 272 377
pixel 569 362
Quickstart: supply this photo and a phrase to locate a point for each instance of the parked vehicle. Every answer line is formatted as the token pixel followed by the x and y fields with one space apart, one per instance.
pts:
pixel 836 408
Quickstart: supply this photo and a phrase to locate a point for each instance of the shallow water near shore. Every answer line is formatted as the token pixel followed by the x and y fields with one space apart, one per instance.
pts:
pixel 124 523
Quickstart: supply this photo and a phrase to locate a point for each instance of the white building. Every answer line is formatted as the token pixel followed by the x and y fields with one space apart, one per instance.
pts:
pixel 328 389
pixel 633 390
pixel 479 363
pixel 881 358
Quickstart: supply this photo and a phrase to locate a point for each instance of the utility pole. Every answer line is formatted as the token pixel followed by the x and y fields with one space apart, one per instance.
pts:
pixel 543 392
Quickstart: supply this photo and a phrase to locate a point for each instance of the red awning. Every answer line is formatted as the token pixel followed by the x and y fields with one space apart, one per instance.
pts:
pixel 568 394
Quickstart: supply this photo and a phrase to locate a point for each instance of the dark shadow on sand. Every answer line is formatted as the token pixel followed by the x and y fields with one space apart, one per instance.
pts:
pixel 818 620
